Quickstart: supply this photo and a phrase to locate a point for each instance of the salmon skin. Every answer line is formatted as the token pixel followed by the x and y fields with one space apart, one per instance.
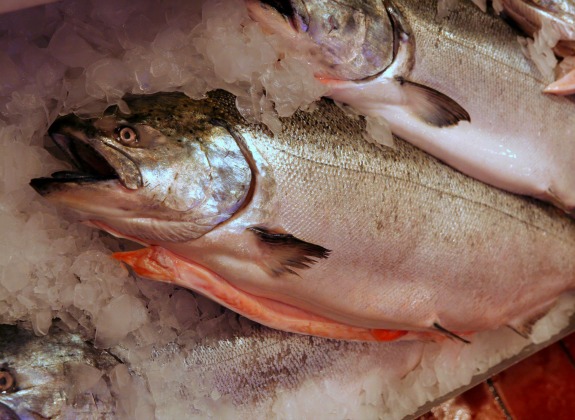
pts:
pixel 314 230
pixel 459 88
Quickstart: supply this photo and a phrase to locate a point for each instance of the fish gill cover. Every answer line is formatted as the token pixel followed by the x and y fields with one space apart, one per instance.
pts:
pixel 186 355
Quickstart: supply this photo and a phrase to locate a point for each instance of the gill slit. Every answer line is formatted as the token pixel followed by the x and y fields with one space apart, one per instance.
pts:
pixel 248 155
pixel 127 156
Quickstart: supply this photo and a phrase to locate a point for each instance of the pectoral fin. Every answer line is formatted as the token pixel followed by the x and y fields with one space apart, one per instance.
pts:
pixel 432 106
pixel 284 252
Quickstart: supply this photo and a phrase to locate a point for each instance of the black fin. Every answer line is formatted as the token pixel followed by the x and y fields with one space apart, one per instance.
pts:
pixel 519 332
pixel 449 333
pixel 432 106
pixel 288 252
pixel 525 327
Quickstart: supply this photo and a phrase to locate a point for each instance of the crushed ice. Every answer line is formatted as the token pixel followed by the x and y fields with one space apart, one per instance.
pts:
pixel 83 56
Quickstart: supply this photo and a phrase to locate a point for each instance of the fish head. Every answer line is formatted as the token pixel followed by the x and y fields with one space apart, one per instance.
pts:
pixel 43 377
pixel 346 39
pixel 164 172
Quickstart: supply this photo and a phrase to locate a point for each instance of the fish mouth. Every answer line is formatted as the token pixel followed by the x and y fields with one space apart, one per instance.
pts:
pixel 90 165
pixel 94 160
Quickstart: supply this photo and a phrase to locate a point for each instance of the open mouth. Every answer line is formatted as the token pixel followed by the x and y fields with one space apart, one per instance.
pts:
pixel 90 164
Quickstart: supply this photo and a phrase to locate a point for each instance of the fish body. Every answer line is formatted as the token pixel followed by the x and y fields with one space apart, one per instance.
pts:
pixel 313 230
pixel 459 88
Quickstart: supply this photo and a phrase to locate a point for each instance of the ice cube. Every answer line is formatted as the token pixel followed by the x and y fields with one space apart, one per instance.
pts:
pixel 121 316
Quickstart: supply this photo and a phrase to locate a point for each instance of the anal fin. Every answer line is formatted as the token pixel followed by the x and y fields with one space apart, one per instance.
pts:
pixel 432 106
pixel 524 325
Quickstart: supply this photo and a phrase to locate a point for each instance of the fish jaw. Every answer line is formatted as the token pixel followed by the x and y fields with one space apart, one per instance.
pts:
pixel 159 264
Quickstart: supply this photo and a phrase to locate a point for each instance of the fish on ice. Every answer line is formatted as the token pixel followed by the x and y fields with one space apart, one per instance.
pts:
pixel 314 230
pixel 459 88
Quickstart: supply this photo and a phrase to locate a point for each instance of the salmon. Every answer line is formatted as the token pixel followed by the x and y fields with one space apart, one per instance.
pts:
pixel 314 230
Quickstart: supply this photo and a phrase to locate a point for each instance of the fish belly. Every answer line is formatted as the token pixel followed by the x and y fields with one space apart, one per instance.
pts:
pixel 413 243
pixel 518 139
pixel 407 254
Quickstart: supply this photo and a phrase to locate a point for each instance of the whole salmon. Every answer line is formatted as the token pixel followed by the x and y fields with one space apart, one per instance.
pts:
pixel 315 230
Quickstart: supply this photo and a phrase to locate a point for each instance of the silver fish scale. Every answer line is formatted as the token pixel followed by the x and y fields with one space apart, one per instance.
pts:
pixel 250 363
pixel 311 137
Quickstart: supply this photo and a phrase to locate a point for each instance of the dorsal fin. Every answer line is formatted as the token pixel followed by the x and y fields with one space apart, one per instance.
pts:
pixel 285 252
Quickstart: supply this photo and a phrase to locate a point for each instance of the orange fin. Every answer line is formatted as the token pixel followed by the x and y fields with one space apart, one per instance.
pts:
pixel 563 86
pixel 160 264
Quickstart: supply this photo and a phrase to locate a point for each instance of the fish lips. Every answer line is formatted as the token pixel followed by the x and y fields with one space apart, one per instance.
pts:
pixel 94 159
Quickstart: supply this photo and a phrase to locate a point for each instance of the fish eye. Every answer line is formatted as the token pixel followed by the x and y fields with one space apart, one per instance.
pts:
pixel 126 135
pixel 6 381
